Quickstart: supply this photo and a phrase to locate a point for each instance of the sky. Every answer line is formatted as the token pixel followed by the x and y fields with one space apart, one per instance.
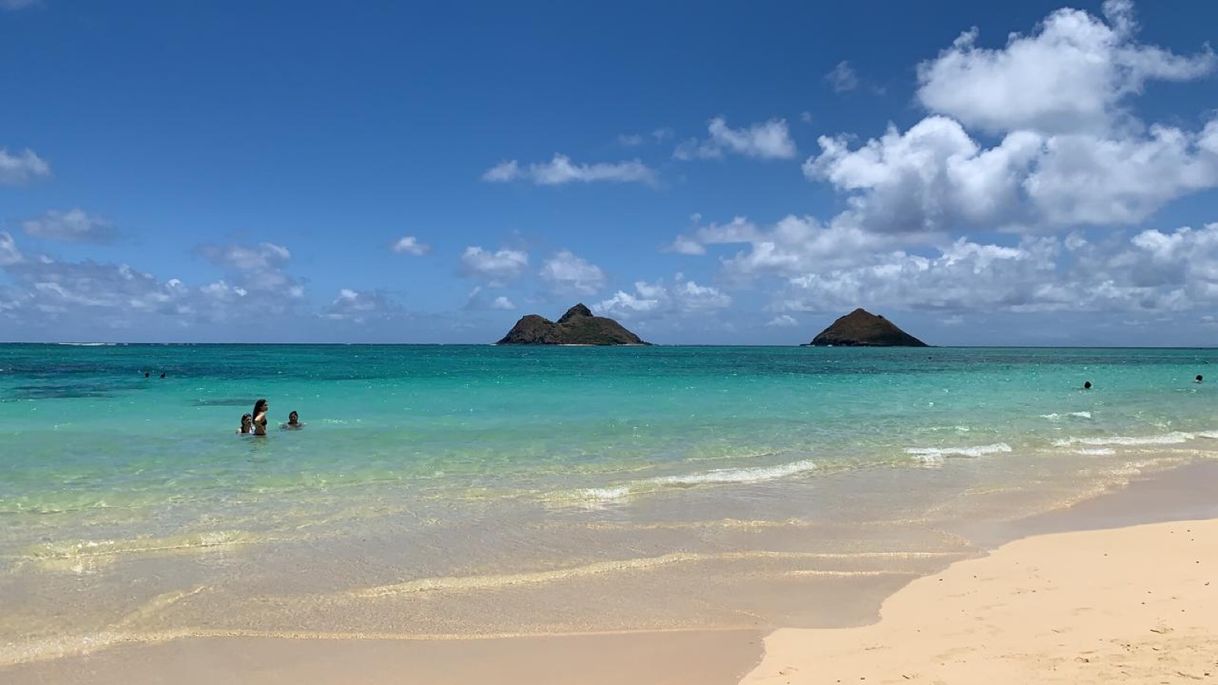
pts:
pixel 713 173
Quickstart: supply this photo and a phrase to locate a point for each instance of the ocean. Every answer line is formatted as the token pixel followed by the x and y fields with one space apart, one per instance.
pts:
pixel 456 491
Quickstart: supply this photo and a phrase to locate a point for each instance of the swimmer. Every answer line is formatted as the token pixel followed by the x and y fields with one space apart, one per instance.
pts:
pixel 260 409
pixel 162 374
pixel 247 425
pixel 1086 385
pixel 1198 379
pixel 293 422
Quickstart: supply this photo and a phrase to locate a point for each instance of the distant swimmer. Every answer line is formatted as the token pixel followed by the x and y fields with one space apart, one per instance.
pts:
pixel 1198 379
pixel 260 409
pixel 247 425
pixel 1086 385
pixel 162 374
pixel 147 375
pixel 293 422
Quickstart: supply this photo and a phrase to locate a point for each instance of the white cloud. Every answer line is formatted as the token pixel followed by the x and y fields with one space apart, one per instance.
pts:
pixel 684 297
pixel 568 273
pixel 72 226
pixel 502 303
pixel 494 267
pixel 1071 74
pixel 9 254
pixel 561 170
pixel 1150 271
pixel 767 140
pixel 791 246
pixel 410 245
pixel 630 139
pixel 360 306
pixel 1084 179
pixel 929 178
pixel 18 4
pixel 936 178
pixel 842 77
pixel 257 268
pixel 20 168
pixel 783 321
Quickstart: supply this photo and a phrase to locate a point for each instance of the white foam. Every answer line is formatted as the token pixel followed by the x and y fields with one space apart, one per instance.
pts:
pixel 759 474
pixel 605 494
pixel 1166 439
pixel 1211 435
pixel 936 454
pixel 1076 414
pixel 1094 451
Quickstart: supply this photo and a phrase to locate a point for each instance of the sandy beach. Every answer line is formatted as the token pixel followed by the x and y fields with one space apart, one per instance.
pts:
pixel 1135 604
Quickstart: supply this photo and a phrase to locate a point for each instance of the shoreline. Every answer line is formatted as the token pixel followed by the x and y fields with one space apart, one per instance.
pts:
pixel 672 657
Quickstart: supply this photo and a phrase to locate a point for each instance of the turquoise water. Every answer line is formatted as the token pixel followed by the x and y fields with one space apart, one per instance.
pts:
pixel 424 462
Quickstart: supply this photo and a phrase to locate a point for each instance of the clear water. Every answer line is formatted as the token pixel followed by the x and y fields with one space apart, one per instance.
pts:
pixel 564 487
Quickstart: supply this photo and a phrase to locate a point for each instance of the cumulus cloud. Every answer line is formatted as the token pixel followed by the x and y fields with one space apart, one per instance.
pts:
pixel 1072 73
pixel 360 307
pixel 567 273
pixel 561 170
pixel 410 245
pixel 767 140
pixel 791 246
pixel 782 321
pixel 1149 271
pixel 16 169
pixel 842 77
pixel 681 298
pixel 257 268
pixel 74 226
pixel 496 268
pixel 935 177
pixel 502 303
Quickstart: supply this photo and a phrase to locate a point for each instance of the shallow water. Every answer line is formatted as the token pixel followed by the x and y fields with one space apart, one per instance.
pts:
pixel 457 490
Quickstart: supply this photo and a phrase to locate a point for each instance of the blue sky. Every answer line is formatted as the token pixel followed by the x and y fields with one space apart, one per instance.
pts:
pixel 736 173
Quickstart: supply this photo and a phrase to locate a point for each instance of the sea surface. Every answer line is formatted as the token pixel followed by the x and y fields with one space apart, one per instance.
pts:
pixel 457 491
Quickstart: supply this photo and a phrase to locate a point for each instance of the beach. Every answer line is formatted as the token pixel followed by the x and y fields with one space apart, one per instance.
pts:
pixel 644 514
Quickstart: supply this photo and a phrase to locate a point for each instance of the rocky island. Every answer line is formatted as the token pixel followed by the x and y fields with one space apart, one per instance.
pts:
pixel 861 328
pixel 577 327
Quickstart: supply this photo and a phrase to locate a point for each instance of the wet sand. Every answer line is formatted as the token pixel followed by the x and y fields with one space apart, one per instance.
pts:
pixel 1156 562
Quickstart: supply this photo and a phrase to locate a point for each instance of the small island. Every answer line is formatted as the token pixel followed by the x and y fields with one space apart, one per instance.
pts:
pixel 577 327
pixel 861 328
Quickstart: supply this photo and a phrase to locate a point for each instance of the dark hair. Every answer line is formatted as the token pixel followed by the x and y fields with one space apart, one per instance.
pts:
pixel 244 417
pixel 259 406
pixel 1087 385
pixel 292 413
pixel 1198 378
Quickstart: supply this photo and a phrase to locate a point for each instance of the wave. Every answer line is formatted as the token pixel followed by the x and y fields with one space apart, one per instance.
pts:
pixel 737 476
pixel 1094 451
pixel 938 454
pixel 1076 414
pixel 1175 438
pixel 757 474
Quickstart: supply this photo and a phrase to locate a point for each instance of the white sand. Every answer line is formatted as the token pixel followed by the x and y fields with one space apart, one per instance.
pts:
pixel 1137 605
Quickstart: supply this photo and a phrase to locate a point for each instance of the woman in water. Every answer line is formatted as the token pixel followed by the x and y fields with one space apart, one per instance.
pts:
pixel 260 409
pixel 247 424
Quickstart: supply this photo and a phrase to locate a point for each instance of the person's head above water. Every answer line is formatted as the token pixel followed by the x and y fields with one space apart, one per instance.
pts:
pixel 1198 379
pixel 1086 385
pixel 293 418
pixel 261 407
pixel 247 423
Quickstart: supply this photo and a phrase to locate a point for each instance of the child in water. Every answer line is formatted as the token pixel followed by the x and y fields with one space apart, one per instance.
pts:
pixel 247 425
pixel 293 422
